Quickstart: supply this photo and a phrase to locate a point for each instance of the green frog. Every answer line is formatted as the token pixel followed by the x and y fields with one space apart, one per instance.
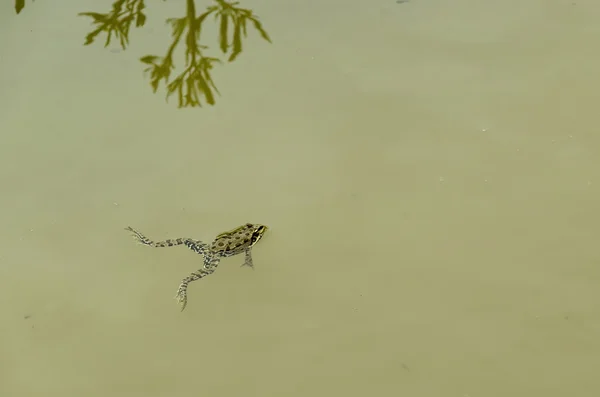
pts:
pixel 230 243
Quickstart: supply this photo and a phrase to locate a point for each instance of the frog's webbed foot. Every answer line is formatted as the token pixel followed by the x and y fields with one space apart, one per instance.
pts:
pixel 182 295
pixel 210 265
pixel 248 260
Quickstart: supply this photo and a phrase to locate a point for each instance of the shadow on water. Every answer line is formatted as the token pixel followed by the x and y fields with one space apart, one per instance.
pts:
pixel 195 83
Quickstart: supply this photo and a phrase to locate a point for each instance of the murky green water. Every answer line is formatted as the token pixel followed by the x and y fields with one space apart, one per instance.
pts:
pixel 429 171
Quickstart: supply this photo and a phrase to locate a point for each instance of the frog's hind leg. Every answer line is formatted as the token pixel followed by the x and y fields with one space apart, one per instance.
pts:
pixel 197 246
pixel 210 265
pixel 140 238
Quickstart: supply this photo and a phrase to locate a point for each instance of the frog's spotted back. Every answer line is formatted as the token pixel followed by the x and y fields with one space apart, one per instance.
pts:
pixel 237 240
pixel 230 243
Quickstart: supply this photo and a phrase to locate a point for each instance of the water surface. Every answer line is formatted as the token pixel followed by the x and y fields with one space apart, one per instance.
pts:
pixel 429 171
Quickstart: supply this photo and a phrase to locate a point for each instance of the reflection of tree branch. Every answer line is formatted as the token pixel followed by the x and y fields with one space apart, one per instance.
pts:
pixel 238 16
pixel 117 22
pixel 195 80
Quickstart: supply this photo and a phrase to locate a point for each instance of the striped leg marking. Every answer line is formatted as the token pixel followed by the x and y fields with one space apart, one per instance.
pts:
pixel 195 245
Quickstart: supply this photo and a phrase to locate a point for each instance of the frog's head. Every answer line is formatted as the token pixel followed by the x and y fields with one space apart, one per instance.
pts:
pixel 258 232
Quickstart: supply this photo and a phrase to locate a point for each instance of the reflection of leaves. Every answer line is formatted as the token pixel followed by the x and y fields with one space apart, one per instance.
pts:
pixel 19 5
pixel 117 21
pixel 226 13
pixel 195 81
pixel 189 85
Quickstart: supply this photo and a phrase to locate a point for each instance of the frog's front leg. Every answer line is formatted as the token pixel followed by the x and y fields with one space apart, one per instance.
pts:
pixel 210 265
pixel 248 259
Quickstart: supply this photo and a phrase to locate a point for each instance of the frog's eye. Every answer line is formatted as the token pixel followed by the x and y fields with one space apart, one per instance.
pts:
pixel 261 229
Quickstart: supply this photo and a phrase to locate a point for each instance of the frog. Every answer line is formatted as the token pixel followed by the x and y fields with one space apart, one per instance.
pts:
pixel 226 244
